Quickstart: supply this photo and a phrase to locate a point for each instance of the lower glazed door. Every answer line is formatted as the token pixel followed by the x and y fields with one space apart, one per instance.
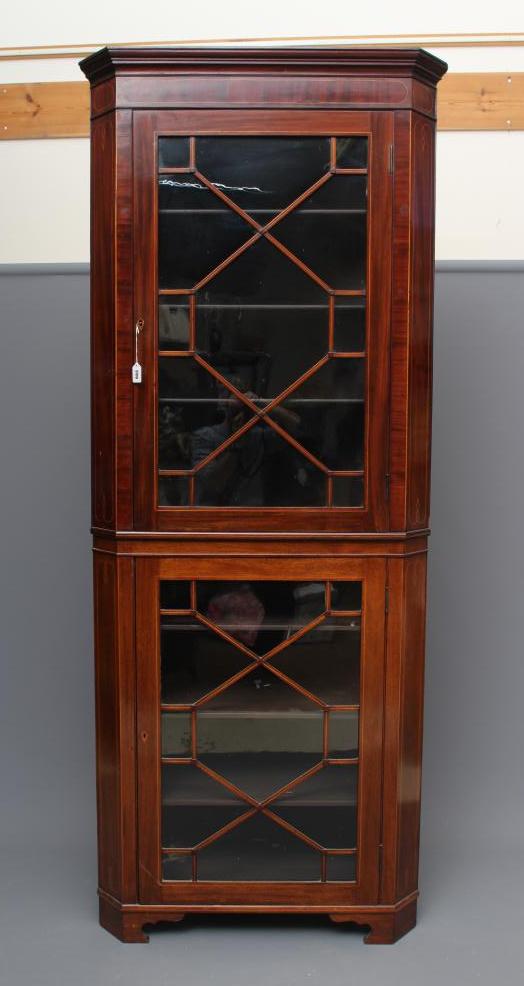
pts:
pixel 260 690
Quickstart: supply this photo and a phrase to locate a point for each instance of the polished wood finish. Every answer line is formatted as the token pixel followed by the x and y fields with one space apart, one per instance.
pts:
pixel 390 96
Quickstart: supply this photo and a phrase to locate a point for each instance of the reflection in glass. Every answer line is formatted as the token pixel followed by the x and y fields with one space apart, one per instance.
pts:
pixel 176 734
pixel 263 173
pixel 343 735
pixel 194 806
pixel 324 806
pixel 262 348
pixel 352 152
pixel 176 867
pixel 194 660
pixel 173 325
pixel 326 661
pixel 350 325
pixel 261 614
pixel 328 413
pixel 260 469
pixel 257 850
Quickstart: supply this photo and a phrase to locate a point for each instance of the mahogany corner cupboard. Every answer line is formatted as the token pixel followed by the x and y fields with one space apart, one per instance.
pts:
pixel 262 291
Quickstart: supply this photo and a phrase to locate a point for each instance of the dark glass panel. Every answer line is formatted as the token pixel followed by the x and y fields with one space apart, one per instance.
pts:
pixel 176 867
pixel 194 660
pixel 192 243
pixel 175 594
pixel 263 173
pixel 352 152
pixel 262 275
pixel 263 348
pixel 324 806
pixel 259 749
pixel 350 325
pixel 327 413
pixel 261 614
pixel 343 735
pixel 341 869
pixel 260 469
pixel 339 193
pixel 173 325
pixel 196 413
pixel 348 491
pixel 173 491
pixel 258 850
pixel 173 152
pixel 194 806
pixel 326 661
pixel 332 245
pixel 176 734
pixel 346 595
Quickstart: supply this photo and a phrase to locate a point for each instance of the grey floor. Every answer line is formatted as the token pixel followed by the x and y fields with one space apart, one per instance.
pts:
pixel 472 860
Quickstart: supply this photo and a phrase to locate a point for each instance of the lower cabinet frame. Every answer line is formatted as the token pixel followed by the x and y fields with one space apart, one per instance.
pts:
pixel 131 891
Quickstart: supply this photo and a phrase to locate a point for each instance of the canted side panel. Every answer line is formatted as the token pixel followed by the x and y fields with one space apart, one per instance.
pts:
pixel 115 724
pixel 102 321
pixel 421 325
pixel 404 687
pixel 124 321
pixel 411 320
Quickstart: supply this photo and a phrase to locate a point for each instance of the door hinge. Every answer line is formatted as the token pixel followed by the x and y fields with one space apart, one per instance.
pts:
pixel 386 599
pixel 391 159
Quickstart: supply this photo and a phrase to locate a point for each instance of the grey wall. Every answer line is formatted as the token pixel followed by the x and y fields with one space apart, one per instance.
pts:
pixel 473 780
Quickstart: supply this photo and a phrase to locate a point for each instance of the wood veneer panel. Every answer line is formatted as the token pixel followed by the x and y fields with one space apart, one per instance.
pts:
pixel 404 687
pixel 115 718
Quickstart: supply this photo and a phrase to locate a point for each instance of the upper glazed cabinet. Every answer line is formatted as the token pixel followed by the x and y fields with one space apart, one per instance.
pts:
pixel 271 371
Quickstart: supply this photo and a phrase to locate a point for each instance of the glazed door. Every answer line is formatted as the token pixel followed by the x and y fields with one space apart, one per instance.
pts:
pixel 262 302
pixel 259 729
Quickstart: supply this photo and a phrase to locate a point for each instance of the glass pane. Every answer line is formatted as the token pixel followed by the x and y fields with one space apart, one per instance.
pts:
pixel 194 660
pixel 341 868
pixel 263 174
pixel 262 348
pixel 175 595
pixel 262 275
pixel 261 614
pixel 176 867
pixel 260 469
pixel 173 325
pixel 176 734
pixel 324 806
pixel 245 695
pixel 326 661
pixel 173 152
pixel 196 413
pixel 333 243
pixel 173 491
pixel 257 850
pixel 350 325
pixel 194 806
pixel 352 152
pixel 259 748
pixel 343 735
pixel 194 235
pixel 346 595
pixel 326 414
pixel 348 491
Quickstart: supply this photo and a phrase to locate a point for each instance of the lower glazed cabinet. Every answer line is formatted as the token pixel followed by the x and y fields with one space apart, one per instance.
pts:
pixel 259 724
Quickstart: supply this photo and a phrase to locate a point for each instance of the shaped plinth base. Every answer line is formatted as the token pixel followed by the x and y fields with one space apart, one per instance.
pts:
pixel 386 927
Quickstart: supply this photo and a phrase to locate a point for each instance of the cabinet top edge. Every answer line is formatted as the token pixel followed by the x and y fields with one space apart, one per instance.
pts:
pixel 349 60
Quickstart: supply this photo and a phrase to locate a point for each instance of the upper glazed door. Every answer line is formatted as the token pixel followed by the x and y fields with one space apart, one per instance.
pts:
pixel 262 301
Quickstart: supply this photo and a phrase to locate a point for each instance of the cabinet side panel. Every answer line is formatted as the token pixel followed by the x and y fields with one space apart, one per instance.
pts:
pixel 404 692
pixel 115 720
pixel 102 321
pixel 124 320
pixel 421 320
